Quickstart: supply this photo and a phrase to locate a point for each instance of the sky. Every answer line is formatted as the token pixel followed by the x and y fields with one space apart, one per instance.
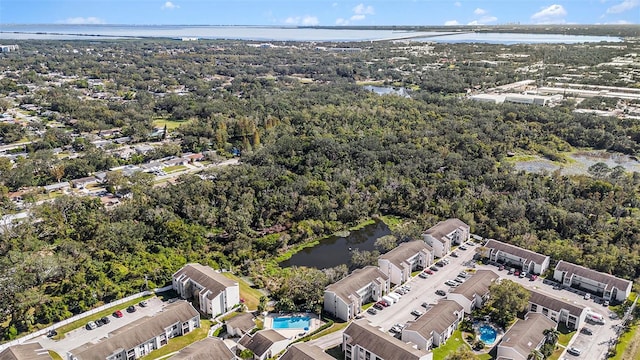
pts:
pixel 319 12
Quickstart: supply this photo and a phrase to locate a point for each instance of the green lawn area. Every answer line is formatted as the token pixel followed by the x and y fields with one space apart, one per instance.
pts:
pixel 392 222
pixel 565 335
pixel 337 326
pixel 454 342
pixel 629 345
pixel 171 124
pixel 250 295
pixel 172 169
pixel 181 342
pixel 556 353
pixel 107 312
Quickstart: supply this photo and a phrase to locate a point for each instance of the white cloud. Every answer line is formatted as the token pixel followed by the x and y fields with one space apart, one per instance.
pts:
pixel 457 4
pixel 357 17
pixel 361 9
pixel 91 20
pixel 552 14
pixel 626 5
pixel 306 20
pixel 169 6
pixel 451 23
pixel 479 11
pixel 484 20
pixel 342 22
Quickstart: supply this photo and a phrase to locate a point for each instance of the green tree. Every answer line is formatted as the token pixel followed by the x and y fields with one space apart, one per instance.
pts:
pixel 386 243
pixel 262 304
pixel 506 299
pixel 246 354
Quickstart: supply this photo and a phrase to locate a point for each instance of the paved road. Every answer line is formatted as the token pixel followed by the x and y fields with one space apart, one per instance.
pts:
pixel 81 336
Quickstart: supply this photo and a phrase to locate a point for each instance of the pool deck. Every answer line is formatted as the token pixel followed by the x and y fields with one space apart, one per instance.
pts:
pixel 314 323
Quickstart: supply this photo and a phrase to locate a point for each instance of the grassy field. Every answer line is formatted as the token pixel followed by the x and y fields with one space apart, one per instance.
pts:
pixel 556 353
pixel 54 355
pixel 454 343
pixel 107 312
pixel 172 169
pixel 565 335
pixel 171 124
pixel 181 342
pixel 250 295
pixel 337 326
pixel 629 345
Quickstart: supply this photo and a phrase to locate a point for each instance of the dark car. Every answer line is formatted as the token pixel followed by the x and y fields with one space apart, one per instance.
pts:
pixel 131 309
pixel 372 311
pixel 441 292
pixel 143 303
pixel 117 314
pixel 105 320
pixel 433 268
pixel 378 306
pixel 586 331
pixel 52 333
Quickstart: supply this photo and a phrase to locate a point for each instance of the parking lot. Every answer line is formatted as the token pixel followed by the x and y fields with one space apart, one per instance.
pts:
pixel 81 336
pixel 423 290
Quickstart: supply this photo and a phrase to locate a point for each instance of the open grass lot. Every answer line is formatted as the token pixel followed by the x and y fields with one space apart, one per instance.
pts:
pixel 565 335
pixel 82 322
pixel 172 169
pixel 454 342
pixel 181 342
pixel 629 345
pixel 250 295
pixel 556 353
pixel 171 124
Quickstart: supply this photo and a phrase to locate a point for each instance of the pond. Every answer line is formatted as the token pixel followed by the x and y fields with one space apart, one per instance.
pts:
pixel 336 250
pixel 580 163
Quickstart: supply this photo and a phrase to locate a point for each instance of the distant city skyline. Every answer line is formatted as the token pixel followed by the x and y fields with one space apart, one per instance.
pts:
pixel 319 12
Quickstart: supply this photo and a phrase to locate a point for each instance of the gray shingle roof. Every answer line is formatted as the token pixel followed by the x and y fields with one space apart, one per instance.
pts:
pixel 555 304
pixel 207 277
pixel 208 349
pixel 478 284
pixel 525 335
pixel 25 352
pixel 137 332
pixel 446 227
pixel 357 280
pixel 304 351
pixel 437 319
pixel 244 322
pixel 261 341
pixel 404 251
pixel 610 280
pixel 516 251
pixel 379 343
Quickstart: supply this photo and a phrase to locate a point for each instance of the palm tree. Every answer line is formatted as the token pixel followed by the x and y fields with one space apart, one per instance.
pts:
pixel 535 355
pixel 552 335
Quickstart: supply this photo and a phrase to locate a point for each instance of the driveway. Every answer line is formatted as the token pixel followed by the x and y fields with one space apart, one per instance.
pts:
pixel 81 336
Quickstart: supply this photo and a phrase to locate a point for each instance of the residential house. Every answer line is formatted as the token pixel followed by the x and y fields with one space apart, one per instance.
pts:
pixel 240 324
pixel 399 263
pixel 361 341
pixel 344 299
pixel 264 344
pixel 517 257
pixel 57 186
pixel 84 182
pixel 33 351
pixel 210 348
pixel 524 337
pixel 444 234
pixel 475 291
pixel 572 315
pixel 434 327
pixel 143 148
pixel 142 336
pixel 304 351
pixel 605 285
pixel 193 157
pixel 214 293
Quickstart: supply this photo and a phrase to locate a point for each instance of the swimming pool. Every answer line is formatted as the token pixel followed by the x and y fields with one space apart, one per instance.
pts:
pixel 487 334
pixel 292 322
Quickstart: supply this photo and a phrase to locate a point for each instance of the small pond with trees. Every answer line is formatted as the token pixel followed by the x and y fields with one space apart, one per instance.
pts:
pixel 337 250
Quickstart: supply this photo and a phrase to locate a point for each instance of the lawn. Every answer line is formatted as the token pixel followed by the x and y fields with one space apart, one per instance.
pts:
pixel 54 355
pixel 565 335
pixel 172 169
pixel 556 353
pixel 171 124
pixel 454 342
pixel 337 326
pixel 107 312
pixel 629 344
pixel 250 295
pixel 181 342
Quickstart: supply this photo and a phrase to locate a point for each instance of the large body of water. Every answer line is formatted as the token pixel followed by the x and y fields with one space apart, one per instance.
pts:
pixel 336 250
pixel 266 33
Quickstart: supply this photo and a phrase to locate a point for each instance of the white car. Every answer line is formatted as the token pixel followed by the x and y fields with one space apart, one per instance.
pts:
pixel 416 312
pixel 574 351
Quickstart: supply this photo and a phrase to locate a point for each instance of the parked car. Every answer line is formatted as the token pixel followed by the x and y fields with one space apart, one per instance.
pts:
pixel 131 309
pixel 445 261
pixel 534 277
pixel 459 280
pixel 574 351
pixel 372 311
pixel 382 303
pixel 517 273
pixel 454 254
pixel 441 292
pixel 605 303
pixel 105 320
pixel 523 275
pixel 462 247
pixel 118 314
pixel 440 264
pixel 423 275
pixel 511 271
pixel 587 296
pixel 501 267
pixel 586 331
pixel 425 305
pixel 91 325
pixel 143 303
pixel 416 312
pixel 406 287
pixel 378 306
pixel 429 271
pixel 463 274
pixel 52 333
pixel 433 268
pixel 451 283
